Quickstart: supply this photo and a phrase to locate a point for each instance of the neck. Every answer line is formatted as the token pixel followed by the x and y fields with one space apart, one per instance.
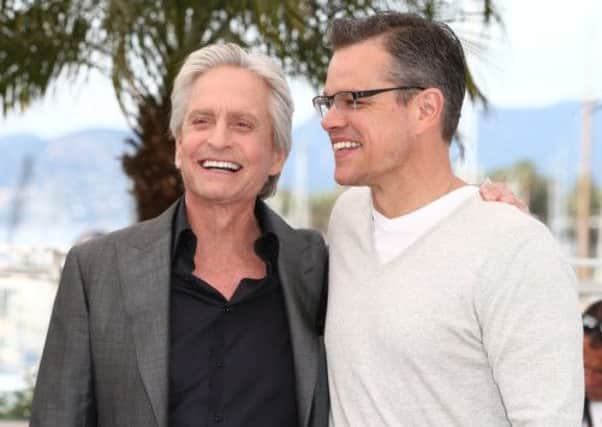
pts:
pixel 227 228
pixel 424 178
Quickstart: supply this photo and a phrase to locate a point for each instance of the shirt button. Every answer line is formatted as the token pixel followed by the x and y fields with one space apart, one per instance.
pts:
pixel 227 308
pixel 219 364
pixel 217 418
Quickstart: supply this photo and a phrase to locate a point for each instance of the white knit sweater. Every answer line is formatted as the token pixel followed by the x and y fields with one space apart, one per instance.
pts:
pixel 475 324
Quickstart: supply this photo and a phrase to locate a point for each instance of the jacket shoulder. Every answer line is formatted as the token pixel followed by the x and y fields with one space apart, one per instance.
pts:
pixel 141 234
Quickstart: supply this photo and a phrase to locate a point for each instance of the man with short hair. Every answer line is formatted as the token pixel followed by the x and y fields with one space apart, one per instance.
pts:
pixel 210 313
pixel 443 310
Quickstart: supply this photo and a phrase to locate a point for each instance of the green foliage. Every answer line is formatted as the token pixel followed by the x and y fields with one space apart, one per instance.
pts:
pixel 140 45
pixel 17 405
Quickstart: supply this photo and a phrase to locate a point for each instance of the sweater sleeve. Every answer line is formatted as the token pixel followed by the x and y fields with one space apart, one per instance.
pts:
pixel 532 334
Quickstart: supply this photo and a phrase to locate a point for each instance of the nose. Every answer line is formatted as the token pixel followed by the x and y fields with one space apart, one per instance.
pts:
pixel 333 119
pixel 219 137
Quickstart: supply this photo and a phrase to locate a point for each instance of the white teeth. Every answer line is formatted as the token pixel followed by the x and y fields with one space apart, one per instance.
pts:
pixel 345 144
pixel 221 165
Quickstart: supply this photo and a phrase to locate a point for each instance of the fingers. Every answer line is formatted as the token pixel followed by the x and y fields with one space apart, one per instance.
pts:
pixel 493 191
pixel 499 192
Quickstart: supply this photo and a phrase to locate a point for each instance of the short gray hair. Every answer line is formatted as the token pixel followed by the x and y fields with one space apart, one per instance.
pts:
pixel 281 102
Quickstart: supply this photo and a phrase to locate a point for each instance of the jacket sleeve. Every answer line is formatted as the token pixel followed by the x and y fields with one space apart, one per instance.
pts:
pixel 321 401
pixel 64 393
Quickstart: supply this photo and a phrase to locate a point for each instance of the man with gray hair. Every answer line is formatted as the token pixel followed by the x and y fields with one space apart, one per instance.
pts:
pixel 209 314
pixel 442 310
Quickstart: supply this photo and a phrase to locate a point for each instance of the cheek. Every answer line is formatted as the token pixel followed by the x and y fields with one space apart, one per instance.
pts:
pixel 383 138
pixel 393 147
pixel 257 147
pixel 187 147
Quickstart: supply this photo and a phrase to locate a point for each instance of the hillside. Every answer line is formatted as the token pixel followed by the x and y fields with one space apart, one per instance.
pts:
pixel 76 184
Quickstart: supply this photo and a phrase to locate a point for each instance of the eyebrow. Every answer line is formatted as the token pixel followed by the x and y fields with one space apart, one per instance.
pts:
pixel 231 115
pixel 244 116
pixel 341 91
pixel 197 112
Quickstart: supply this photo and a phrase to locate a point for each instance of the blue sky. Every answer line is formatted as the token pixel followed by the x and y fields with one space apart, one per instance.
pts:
pixel 549 51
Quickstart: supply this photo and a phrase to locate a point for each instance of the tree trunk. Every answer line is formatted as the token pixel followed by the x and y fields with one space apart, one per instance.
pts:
pixel 156 181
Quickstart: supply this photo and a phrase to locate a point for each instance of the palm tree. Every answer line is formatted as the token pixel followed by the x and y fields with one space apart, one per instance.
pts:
pixel 140 44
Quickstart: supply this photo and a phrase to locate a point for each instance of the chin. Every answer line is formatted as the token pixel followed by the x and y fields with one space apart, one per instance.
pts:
pixel 345 179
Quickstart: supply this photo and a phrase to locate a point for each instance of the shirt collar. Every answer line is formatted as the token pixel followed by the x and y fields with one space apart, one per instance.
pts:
pixel 181 224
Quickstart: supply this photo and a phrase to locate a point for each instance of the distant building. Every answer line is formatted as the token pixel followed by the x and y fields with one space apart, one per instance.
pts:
pixel 28 283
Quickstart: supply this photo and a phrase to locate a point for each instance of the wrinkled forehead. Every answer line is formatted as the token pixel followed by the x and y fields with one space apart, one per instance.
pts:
pixel 230 89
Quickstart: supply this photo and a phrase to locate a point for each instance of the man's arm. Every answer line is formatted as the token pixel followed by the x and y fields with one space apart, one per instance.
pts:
pixel 532 334
pixel 64 391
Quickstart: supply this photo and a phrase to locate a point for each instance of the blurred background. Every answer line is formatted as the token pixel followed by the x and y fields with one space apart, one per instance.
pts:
pixel 84 88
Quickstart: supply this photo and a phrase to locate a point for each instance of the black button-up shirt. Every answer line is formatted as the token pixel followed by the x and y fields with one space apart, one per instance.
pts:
pixel 231 362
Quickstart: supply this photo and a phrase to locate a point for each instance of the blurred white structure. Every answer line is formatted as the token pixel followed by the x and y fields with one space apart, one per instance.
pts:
pixel 300 214
pixel 598 253
pixel 28 283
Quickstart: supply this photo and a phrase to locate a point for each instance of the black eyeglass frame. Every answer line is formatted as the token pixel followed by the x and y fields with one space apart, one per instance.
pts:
pixel 328 100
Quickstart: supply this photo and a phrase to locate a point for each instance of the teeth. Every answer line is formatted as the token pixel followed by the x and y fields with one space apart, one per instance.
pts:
pixel 221 165
pixel 345 144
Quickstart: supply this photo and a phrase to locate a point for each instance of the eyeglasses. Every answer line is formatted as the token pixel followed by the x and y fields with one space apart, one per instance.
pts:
pixel 346 101
pixel 591 325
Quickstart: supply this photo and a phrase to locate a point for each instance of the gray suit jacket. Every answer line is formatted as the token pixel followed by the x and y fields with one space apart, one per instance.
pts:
pixel 105 362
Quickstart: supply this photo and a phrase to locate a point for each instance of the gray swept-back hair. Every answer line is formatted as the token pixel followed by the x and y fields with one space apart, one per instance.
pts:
pixel 280 105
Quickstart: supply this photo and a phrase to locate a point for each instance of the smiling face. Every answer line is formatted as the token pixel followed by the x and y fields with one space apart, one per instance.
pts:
pixel 225 148
pixel 370 143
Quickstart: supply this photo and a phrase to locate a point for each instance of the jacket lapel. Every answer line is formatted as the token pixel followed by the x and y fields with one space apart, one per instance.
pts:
pixel 144 266
pixel 294 264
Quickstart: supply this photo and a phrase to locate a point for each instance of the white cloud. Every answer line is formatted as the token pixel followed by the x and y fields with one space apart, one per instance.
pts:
pixel 548 53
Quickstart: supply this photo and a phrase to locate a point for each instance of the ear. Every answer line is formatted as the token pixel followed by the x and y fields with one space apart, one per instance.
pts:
pixel 277 161
pixel 429 108
pixel 178 154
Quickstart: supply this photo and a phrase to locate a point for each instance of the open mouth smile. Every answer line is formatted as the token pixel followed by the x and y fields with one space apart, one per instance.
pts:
pixel 222 165
pixel 345 145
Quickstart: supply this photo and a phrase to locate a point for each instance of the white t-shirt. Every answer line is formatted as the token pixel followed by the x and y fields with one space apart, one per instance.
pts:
pixel 393 235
